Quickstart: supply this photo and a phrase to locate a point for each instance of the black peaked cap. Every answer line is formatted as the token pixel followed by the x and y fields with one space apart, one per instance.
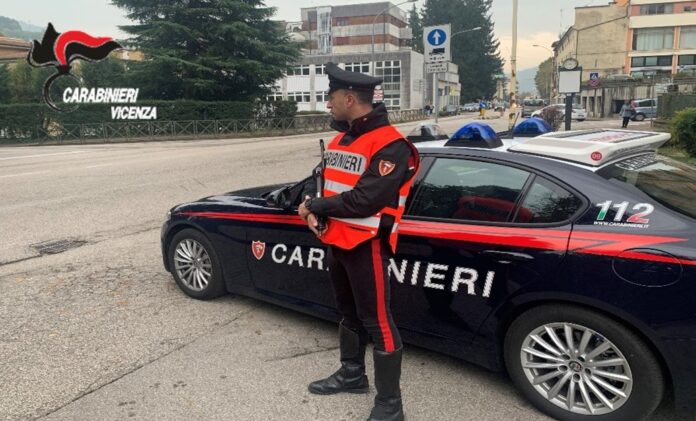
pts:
pixel 354 81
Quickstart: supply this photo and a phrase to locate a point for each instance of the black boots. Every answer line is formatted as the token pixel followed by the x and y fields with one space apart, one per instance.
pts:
pixel 387 375
pixel 350 378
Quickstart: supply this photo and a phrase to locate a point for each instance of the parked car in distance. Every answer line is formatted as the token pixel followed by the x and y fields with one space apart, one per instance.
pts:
pixel 579 113
pixel 469 107
pixel 531 105
pixel 644 108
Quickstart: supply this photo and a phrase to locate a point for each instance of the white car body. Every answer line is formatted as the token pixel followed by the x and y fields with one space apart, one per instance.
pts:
pixel 579 114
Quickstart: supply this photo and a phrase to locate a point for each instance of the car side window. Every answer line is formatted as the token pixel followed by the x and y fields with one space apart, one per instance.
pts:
pixel 547 202
pixel 469 190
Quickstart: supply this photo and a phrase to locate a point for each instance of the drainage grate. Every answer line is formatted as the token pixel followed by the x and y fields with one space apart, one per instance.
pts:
pixel 57 246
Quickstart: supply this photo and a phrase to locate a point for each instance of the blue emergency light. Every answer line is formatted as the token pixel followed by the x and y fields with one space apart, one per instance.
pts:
pixel 475 135
pixel 532 127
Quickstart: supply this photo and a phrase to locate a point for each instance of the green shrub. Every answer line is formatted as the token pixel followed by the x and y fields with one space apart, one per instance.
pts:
pixel 23 120
pixel 684 130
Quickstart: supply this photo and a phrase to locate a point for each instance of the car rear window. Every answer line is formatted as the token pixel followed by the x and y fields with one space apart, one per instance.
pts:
pixel 670 183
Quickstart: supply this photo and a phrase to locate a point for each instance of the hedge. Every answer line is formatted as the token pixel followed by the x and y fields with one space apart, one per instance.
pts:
pixel 17 119
pixel 684 130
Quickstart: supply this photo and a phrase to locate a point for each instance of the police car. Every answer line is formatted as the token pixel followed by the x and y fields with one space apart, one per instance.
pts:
pixel 568 260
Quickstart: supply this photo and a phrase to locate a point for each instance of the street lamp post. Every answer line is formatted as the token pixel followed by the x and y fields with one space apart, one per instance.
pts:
pixel 553 68
pixel 374 21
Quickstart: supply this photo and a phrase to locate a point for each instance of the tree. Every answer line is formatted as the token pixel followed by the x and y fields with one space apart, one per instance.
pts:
pixel 106 73
pixel 207 49
pixel 476 53
pixel 544 78
pixel 5 94
pixel 26 83
pixel 415 20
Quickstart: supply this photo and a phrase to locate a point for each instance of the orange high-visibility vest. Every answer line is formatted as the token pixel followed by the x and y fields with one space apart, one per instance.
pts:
pixel 344 166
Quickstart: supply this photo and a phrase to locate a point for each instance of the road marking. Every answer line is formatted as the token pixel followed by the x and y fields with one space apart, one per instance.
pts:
pixel 24 173
pixel 101 165
pixel 40 155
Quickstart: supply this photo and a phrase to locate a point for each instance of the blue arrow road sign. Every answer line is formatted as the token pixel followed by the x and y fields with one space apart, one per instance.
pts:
pixel 437 37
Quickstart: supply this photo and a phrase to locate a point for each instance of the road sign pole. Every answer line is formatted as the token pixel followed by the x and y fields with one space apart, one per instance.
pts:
pixel 436 92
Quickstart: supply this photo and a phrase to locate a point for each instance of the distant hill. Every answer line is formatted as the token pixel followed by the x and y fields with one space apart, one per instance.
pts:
pixel 14 29
pixel 526 79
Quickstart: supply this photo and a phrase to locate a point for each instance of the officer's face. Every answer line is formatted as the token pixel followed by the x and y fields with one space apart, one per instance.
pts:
pixel 339 104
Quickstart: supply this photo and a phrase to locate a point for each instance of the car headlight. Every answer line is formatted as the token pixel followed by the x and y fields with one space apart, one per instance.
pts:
pixel 169 215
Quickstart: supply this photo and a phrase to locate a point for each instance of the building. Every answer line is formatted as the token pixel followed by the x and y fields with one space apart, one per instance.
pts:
pixel 661 38
pixel 635 46
pixel 597 39
pixel 12 49
pixel 344 35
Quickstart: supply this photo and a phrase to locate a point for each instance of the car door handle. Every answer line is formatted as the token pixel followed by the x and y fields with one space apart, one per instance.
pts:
pixel 506 257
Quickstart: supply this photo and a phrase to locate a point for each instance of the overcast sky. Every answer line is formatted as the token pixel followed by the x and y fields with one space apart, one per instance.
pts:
pixel 540 21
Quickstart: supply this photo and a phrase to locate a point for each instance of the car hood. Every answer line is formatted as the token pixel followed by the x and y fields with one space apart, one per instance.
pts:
pixel 245 198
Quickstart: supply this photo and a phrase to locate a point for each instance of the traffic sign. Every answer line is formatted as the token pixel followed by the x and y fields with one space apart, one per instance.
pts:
pixel 379 94
pixel 594 79
pixel 436 43
pixel 438 67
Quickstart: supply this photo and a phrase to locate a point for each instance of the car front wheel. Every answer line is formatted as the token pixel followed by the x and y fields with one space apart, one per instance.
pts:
pixel 576 364
pixel 195 266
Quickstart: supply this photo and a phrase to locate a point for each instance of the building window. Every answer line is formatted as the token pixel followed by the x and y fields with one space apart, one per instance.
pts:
pixel 341 41
pixel 390 71
pixel 652 61
pixel 300 97
pixel 688 8
pixel 392 101
pixel 320 69
pixel 653 39
pixel 363 67
pixel 687 39
pixel 656 9
pixel 341 22
pixel 687 60
pixel 299 71
pixel 322 97
pixel 275 96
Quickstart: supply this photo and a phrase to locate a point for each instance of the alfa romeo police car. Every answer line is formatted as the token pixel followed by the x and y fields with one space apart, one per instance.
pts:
pixel 568 260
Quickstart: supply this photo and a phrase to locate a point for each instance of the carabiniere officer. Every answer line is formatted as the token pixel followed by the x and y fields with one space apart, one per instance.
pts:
pixel 370 168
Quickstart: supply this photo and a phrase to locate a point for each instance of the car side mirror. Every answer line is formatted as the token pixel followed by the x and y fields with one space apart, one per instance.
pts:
pixel 281 198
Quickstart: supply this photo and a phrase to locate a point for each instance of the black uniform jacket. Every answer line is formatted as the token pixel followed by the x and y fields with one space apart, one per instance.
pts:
pixel 373 191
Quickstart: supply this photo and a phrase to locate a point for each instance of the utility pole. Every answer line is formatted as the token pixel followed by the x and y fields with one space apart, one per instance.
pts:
pixel 513 59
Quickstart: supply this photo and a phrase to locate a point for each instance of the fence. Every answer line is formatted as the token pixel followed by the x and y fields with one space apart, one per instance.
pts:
pixel 669 104
pixel 163 130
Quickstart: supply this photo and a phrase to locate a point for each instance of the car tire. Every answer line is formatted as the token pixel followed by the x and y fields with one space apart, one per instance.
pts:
pixel 642 380
pixel 639 117
pixel 580 119
pixel 195 266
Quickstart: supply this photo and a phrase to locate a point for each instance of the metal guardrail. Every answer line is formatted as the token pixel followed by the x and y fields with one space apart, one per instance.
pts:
pixel 163 130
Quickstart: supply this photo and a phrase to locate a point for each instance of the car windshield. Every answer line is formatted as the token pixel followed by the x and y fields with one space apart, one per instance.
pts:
pixel 427 131
pixel 577 107
pixel 671 183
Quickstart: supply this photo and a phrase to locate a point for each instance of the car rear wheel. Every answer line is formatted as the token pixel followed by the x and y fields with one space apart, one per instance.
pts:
pixel 576 364
pixel 195 265
pixel 639 117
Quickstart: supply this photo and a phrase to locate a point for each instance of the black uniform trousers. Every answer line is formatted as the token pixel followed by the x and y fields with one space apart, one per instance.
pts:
pixel 360 281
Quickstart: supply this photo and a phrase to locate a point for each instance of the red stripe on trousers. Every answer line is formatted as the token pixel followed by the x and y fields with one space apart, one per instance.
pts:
pixel 381 308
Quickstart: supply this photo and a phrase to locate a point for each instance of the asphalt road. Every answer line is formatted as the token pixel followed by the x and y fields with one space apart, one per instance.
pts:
pixel 101 331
